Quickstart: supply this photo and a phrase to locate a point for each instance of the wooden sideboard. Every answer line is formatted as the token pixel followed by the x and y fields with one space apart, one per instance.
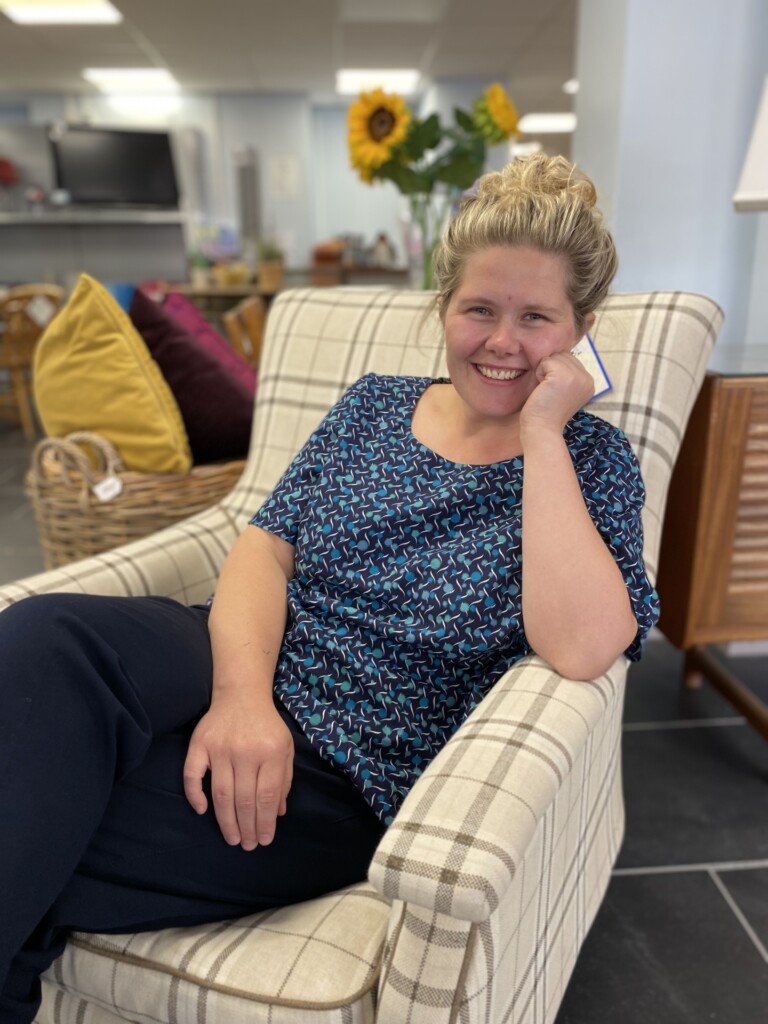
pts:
pixel 713 566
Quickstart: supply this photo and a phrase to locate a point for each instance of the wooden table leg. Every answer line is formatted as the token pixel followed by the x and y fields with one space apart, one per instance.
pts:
pixel 699 660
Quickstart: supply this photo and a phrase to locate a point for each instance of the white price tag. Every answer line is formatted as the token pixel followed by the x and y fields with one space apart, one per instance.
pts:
pixel 108 488
pixel 40 310
pixel 586 353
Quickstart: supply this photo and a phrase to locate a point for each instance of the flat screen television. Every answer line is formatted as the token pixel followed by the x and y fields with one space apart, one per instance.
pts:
pixel 114 167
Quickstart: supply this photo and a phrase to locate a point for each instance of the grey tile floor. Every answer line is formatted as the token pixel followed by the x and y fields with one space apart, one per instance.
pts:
pixel 682 936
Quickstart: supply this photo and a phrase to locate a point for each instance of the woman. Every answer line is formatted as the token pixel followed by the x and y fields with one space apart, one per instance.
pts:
pixel 429 535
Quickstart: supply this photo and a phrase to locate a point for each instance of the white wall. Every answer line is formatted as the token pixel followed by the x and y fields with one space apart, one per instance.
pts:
pixel 669 89
pixel 278 128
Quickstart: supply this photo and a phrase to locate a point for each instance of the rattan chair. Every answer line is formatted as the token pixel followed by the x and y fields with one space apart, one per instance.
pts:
pixel 482 891
pixel 24 314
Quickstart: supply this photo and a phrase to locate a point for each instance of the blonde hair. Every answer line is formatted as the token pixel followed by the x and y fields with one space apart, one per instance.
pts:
pixel 538 201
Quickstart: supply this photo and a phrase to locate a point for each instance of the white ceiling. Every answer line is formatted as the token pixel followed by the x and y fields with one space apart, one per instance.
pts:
pixel 230 46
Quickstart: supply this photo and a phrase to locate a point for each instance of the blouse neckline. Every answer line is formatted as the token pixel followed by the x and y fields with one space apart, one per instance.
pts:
pixel 514 462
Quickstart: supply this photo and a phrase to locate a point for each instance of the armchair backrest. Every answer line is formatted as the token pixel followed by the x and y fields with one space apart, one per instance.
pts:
pixel 655 348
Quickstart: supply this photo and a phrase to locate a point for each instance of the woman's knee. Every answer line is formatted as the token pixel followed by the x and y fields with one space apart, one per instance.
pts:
pixel 34 617
pixel 147 650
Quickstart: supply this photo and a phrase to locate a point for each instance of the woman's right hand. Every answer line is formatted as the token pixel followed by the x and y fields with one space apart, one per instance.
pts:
pixel 248 749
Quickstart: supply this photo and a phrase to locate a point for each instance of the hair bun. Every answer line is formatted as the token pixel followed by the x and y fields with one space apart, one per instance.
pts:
pixel 536 176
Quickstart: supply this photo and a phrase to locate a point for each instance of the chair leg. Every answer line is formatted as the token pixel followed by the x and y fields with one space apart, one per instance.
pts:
pixel 693 677
pixel 698 659
pixel 23 403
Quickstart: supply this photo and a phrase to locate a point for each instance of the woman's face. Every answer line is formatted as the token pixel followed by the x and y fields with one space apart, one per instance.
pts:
pixel 508 313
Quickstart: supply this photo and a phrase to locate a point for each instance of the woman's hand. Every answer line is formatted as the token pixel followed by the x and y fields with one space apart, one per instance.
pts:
pixel 564 387
pixel 248 749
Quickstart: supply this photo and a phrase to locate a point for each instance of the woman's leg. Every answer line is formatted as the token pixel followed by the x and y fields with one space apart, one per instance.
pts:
pixel 150 861
pixel 85 684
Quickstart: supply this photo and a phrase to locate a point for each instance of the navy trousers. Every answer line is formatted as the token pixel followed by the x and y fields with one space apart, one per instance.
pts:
pixel 98 699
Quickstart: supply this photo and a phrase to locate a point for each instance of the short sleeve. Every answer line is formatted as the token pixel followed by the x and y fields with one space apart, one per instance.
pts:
pixel 614 494
pixel 281 513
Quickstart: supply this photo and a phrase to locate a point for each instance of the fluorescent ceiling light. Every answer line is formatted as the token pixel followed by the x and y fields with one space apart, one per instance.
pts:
pixel 353 80
pixel 149 107
pixel 547 124
pixel 63 12
pixel 571 87
pixel 127 80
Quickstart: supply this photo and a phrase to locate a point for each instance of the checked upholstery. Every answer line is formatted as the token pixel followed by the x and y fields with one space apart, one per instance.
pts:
pixel 481 893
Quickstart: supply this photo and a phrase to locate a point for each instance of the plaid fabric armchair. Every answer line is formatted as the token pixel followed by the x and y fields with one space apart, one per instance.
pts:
pixel 482 891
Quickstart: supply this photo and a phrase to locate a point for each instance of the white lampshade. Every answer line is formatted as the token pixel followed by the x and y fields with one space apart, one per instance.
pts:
pixel 752 192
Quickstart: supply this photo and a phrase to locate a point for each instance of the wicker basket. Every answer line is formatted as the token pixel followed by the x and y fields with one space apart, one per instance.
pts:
pixel 74 522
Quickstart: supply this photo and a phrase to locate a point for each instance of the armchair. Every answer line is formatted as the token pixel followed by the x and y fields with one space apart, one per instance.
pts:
pixel 482 891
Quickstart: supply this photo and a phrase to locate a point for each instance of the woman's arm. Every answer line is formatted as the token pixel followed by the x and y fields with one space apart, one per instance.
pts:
pixel 242 740
pixel 576 609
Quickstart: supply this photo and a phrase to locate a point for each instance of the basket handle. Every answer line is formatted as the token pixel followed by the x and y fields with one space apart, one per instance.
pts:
pixel 70 456
pixel 111 463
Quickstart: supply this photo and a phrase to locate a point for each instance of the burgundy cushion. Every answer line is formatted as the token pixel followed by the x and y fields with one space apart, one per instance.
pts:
pixel 190 317
pixel 216 406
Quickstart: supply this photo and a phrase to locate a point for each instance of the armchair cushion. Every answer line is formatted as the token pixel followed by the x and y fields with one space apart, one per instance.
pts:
pixel 92 371
pixel 216 405
pixel 317 962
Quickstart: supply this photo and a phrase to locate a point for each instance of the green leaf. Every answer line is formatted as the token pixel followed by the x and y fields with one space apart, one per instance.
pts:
pixel 433 133
pixel 464 120
pixel 462 171
pixel 422 135
pixel 406 178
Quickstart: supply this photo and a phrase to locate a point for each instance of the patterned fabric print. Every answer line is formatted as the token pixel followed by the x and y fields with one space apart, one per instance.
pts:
pixel 405 606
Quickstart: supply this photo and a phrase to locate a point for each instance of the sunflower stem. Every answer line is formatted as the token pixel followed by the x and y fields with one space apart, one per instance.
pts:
pixel 426 217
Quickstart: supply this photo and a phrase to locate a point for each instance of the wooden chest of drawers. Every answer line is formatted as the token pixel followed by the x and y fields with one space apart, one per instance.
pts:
pixel 713 567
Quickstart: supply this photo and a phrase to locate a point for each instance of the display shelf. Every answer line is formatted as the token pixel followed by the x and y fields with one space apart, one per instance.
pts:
pixel 68 218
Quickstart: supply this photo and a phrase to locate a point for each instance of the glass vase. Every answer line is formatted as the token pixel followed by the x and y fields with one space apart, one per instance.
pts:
pixel 428 215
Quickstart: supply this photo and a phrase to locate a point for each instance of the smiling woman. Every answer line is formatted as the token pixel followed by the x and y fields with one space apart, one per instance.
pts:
pixel 429 535
pixel 520 272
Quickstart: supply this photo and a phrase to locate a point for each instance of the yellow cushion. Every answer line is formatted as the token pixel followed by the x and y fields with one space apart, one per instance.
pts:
pixel 93 371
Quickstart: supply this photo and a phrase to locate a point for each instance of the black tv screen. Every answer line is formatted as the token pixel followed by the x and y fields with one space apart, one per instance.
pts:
pixel 114 167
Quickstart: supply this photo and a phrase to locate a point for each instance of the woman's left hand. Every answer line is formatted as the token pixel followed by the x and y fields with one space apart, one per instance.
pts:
pixel 564 387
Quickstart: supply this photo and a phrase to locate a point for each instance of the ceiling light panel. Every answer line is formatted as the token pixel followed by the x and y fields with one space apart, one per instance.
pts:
pixel 63 12
pixel 132 80
pixel 350 81
pixel 425 12
pixel 547 124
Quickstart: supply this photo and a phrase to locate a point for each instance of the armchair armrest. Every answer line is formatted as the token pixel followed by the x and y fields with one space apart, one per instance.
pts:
pixel 182 561
pixel 466 825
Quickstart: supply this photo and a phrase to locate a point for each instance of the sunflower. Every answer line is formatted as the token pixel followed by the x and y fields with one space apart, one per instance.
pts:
pixel 365 171
pixel 377 123
pixel 495 115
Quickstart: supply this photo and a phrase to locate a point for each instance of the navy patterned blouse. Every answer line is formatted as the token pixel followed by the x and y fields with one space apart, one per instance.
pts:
pixel 406 606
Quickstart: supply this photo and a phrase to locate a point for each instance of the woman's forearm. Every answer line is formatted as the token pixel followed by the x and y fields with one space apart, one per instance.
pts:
pixel 576 609
pixel 248 616
pixel 242 740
